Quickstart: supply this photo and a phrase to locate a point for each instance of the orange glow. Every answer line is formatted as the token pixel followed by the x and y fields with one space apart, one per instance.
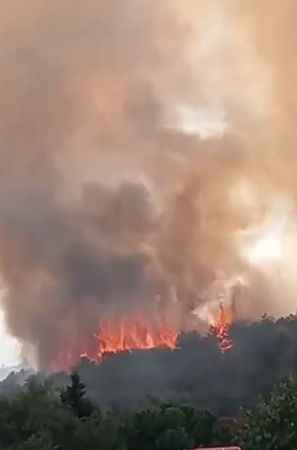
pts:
pixel 131 334
pixel 221 329
pixel 118 335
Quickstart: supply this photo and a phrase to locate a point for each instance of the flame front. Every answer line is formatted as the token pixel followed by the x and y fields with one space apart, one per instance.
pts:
pixel 134 333
pixel 124 334
pixel 119 334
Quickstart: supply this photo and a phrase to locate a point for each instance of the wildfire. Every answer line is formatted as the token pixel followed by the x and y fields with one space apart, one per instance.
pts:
pixel 221 329
pixel 135 332
pixel 131 334
pixel 115 335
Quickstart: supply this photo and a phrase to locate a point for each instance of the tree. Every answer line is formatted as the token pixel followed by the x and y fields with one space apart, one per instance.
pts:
pixel 272 423
pixel 200 424
pixel 174 439
pixel 168 425
pixel 173 417
pixel 143 427
pixel 73 397
pixel 99 432
pixel 39 441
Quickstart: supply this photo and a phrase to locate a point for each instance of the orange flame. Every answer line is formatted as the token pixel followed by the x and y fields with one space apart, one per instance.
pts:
pixel 122 334
pixel 119 335
pixel 221 329
pixel 129 334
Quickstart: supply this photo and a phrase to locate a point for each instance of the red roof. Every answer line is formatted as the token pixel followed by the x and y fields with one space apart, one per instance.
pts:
pixel 218 448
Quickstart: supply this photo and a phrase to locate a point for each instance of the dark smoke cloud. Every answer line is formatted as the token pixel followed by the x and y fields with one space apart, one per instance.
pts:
pixel 105 200
pixel 64 266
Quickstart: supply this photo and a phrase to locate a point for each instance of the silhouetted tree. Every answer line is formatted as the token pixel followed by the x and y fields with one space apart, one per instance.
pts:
pixel 74 397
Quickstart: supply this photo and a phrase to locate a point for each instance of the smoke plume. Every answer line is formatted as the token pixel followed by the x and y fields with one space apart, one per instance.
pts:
pixel 140 142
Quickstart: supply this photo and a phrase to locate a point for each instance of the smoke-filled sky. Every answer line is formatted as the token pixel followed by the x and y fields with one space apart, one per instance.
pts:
pixel 146 148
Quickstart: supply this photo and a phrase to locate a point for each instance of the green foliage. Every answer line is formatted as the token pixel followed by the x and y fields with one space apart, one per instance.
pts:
pixel 202 428
pixel 37 418
pixel 98 432
pixel 174 439
pixel 73 397
pixel 272 424
pixel 173 417
pixel 39 441
pixel 169 425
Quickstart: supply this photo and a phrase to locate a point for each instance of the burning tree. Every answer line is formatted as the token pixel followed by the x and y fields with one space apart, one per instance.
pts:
pixel 221 329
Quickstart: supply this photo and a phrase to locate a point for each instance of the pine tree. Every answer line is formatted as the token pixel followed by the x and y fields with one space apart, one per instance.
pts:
pixel 74 397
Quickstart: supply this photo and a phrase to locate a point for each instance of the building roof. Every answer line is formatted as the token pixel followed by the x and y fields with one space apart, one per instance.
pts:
pixel 218 448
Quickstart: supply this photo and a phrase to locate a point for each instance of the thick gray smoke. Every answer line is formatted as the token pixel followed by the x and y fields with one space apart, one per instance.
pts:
pixel 130 133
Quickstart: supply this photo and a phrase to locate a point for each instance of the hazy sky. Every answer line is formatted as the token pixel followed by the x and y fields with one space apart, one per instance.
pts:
pixel 9 347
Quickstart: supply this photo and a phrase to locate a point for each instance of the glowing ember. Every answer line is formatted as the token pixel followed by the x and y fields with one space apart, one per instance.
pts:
pixel 221 329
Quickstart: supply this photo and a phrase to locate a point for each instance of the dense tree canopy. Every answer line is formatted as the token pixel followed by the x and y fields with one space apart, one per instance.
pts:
pixel 272 424
pixel 40 417
pixel 197 373
pixel 159 400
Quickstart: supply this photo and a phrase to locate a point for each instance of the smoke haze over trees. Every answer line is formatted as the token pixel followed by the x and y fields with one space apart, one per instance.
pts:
pixel 263 354
pixel 197 373
pixel 41 415
pixel 138 141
